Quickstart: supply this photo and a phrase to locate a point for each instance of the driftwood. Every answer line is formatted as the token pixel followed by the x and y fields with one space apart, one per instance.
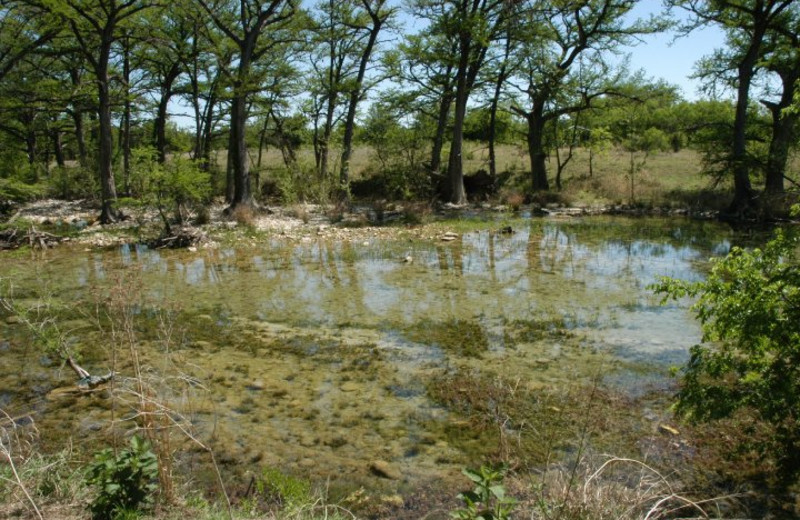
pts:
pixel 86 380
pixel 13 238
pixel 184 237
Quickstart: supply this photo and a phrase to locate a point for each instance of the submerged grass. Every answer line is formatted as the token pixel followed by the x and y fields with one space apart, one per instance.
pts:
pixel 529 424
pixel 464 338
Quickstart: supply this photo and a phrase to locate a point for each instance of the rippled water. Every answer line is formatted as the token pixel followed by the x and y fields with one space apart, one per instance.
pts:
pixel 314 355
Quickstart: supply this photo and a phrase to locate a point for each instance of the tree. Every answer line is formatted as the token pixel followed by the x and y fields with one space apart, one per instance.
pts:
pixel 244 24
pixel 747 24
pixel 749 361
pixel 96 25
pixel 473 24
pixel 334 43
pixel 564 66
pixel 24 27
pixel 424 63
pixel 782 58
pixel 164 58
pixel 378 15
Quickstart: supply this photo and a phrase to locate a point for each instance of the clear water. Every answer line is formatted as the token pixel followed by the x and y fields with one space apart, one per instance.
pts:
pixel 314 355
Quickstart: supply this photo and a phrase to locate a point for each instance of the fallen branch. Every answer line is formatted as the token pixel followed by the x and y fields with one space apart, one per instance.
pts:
pixel 87 380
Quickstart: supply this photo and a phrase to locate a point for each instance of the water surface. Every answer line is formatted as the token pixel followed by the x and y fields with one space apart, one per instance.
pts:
pixel 315 355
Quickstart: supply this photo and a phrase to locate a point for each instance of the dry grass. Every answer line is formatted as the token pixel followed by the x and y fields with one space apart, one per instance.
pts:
pixel 244 215
pixel 672 179
pixel 619 488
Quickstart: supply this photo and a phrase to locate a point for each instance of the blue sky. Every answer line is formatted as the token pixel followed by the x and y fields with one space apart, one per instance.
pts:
pixel 661 56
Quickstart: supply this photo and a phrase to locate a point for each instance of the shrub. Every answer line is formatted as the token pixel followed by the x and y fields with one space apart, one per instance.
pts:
pixel 18 191
pixel 748 365
pixel 124 482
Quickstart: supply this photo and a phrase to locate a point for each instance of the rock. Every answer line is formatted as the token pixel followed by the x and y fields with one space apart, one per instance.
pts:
pixel 408 259
pixel 256 385
pixel 13 320
pixel 382 469
pixel 350 386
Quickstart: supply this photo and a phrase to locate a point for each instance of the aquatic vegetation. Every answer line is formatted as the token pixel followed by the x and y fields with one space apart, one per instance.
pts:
pixel 532 330
pixel 457 336
pixel 317 357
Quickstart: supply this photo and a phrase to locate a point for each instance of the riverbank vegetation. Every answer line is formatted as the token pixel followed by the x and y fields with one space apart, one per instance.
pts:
pixel 291 103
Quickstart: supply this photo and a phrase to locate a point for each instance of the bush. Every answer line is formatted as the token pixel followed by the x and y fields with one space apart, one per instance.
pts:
pixel 72 183
pixel 749 364
pixel 17 191
pixel 124 482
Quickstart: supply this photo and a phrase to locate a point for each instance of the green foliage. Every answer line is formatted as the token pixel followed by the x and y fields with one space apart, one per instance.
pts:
pixel 749 362
pixel 72 183
pixel 477 126
pixel 179 181
pixel 399 152
pixel 17 191
pixel 288 491
pixel 125 481
pixel 487 500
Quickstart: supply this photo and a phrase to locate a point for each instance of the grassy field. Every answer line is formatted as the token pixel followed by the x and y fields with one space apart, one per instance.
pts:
pixel 671 179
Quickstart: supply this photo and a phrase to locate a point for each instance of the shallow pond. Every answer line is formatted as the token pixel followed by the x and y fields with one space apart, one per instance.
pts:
pixel 315 355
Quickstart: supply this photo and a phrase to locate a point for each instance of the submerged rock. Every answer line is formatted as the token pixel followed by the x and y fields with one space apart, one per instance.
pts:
pixel 350 386
pixel 382 469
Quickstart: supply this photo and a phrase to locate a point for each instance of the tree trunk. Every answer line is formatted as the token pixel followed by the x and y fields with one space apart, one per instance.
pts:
pixel 355 96
pixel 58 147
pixel 784 124
pixel 498 88
pixel 238 152
pixel 108 189
pixel 441 128
pixel 80 137
pixel 783 137
pixel 744 196
pixel 125 134
pixel 160 124
pixel 207 134
pixel 324 142
pixel 30 145
pixel 77 118
pixel 230 183
pixel 455 164
pixel 538 156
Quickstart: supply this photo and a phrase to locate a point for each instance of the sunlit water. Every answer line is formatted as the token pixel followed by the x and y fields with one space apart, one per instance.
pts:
pixel 314 355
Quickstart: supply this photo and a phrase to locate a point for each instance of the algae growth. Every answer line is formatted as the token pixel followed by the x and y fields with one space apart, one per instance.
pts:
pixel 321 357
